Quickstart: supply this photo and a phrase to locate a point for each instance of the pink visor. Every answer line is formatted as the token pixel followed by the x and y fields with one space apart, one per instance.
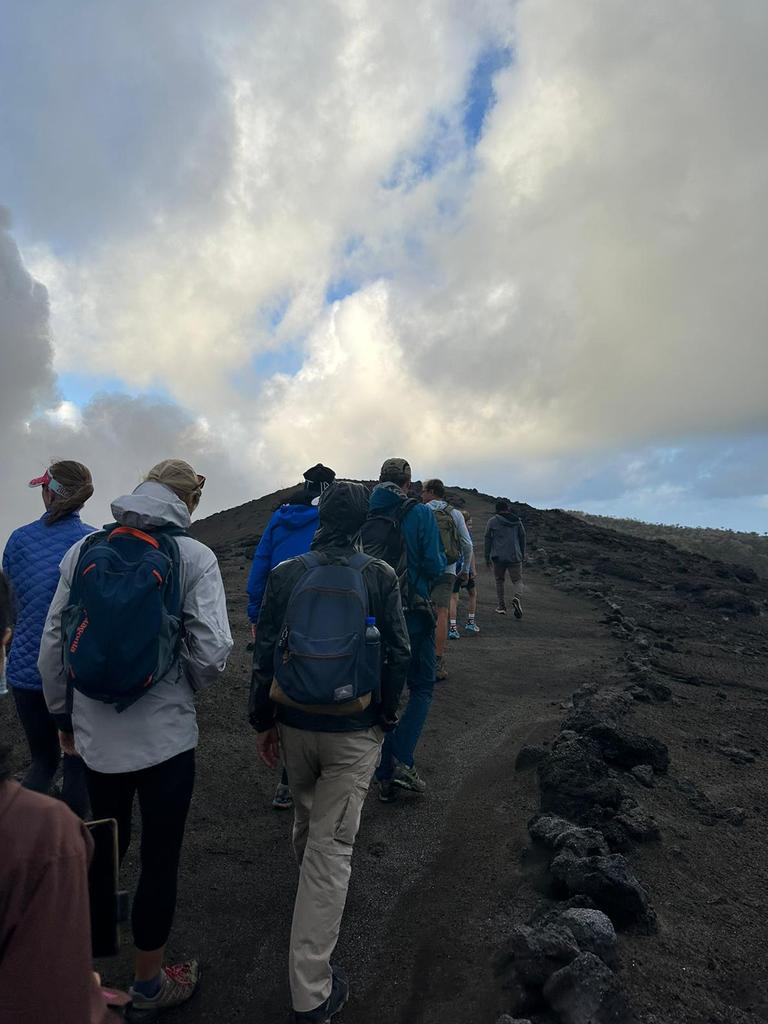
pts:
pixel 46 480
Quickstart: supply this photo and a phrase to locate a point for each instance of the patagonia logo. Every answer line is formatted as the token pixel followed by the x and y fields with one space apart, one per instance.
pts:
pixel 78 636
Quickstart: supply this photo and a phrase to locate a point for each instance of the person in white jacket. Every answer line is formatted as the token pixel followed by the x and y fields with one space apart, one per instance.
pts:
pixel 148 749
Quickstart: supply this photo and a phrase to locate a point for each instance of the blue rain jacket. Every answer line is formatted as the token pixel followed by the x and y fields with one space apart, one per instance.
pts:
pixel 31 563
pixel 289 533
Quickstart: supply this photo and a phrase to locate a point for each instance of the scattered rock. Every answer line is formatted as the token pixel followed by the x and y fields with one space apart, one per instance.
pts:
pixel 547 828
pixel 627 749
pixel 639 824
pixel 574 781
pixel 644 775
pixel 610 883
pixel 583 992
pixel 593 931
pixel 583 842
pixel 737 755
pixel 539 952
pixel 529 757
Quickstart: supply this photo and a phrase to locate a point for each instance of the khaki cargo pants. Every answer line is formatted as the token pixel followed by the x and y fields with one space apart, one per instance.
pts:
pixel 329 774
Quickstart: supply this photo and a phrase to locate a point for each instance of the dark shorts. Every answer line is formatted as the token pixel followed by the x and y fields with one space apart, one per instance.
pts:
pixel 469 586
pixel 441 591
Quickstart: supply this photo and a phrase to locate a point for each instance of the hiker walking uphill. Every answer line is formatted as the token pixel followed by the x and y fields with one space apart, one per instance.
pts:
pixel 471 587
pixel 137 625
pixel 410 530
pixel 289 532
pixel 329 665
pixel 31 563
pixel 505 551
pixel 457 547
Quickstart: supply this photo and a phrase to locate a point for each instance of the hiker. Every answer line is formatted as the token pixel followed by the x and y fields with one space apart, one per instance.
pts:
pixel 46 971
pixel 457 546
pixel 418 561
pixel 471 587
pixel 289 532
pixel 31 563
pixel 505 550
pixel 132 658
pixel 328 714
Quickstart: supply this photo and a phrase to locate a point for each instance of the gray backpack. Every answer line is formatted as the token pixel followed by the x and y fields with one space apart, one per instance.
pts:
pixel 324 661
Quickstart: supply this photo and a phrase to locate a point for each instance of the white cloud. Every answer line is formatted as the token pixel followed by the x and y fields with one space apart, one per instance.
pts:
pixel 586 282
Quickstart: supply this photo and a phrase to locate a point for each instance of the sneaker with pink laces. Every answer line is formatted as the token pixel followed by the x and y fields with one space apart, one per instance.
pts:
pixel 178 983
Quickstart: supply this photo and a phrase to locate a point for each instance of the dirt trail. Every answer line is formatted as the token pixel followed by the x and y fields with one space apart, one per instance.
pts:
pixel 438 881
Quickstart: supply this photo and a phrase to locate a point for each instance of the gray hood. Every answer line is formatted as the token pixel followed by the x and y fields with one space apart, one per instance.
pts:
pixel 151 505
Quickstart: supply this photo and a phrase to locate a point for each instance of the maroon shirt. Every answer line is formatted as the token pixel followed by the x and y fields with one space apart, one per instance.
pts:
pixel 46 971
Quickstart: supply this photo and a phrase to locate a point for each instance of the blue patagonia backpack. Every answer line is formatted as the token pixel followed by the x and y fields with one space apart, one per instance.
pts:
pixel 323 663
pixel 121 630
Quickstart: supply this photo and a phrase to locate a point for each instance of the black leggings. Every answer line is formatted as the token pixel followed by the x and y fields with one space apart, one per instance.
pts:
pixel 43 740
pixel 165 792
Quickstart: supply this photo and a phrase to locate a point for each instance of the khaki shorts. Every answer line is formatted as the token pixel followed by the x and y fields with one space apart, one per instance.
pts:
pixel 442 590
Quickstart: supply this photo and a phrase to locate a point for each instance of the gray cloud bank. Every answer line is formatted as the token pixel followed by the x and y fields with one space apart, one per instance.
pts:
pixel 568 303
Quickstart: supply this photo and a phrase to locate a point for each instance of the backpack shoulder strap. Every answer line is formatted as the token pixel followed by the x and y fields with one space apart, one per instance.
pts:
pixel 406 507
pixel 312 559
pixel 360 561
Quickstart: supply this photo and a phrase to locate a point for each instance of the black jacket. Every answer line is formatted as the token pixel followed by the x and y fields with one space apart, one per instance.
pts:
pixel 383 602
pixel 504 538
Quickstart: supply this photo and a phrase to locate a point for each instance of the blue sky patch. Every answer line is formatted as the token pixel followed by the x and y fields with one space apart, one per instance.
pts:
pixel 481 96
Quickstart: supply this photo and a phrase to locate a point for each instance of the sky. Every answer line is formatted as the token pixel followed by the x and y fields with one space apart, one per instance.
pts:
pixel 520 244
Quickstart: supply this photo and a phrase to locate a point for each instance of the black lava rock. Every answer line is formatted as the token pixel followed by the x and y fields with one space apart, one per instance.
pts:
pixel 627 749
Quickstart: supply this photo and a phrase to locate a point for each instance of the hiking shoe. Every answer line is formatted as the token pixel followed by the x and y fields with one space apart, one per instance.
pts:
pixel 501 610
pixel 408 778
pixel 387 791
pixel 471 627
pixel 517 608
pixel 178 983
pixel 453 633
pixel 335 1001
pixel 282 800
pixel 440 670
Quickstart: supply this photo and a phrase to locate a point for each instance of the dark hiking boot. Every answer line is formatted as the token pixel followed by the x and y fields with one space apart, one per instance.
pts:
pixel 408 778
pixel 333 1004
pixel 517 607
pixel 388 792
pixel 501 610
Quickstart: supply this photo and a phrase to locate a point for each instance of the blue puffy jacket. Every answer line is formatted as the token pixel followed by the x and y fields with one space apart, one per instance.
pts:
pixel 289 533
pixel 31 562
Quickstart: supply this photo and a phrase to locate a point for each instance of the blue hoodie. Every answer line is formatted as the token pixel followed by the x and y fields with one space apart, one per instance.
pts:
pixel 31 562
pixel 289 533
pixel 424 551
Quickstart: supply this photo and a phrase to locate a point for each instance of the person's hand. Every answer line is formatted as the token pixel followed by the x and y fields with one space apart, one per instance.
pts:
pixel 67 744
pixel 268 747
pixel 488 566
pixel 463 577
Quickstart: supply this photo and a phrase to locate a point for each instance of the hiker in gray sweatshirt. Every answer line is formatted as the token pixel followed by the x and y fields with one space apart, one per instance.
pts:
pixel 505 551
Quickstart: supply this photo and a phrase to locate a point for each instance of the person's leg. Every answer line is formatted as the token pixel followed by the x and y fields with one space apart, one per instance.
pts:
pixel 421 685
pixel 42 738
pixel 472 594
pixel 301 760
pixel 74 790
pixel 165 793
pixel 112 796
pixel 499 571
pixel 454 608
pixel 441 633
pixel 516 579
pixel 346 761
